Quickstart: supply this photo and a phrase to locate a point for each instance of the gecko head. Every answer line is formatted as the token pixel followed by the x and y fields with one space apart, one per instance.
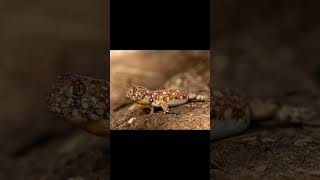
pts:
pixel 138 93
pixel 78 98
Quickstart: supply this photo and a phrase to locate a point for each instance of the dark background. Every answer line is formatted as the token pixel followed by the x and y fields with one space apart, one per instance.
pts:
pixel 160 25
pixel 266 42
pixel 40 39
pixel 267 48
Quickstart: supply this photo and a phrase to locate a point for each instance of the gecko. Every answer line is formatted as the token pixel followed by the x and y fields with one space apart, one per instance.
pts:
pixel 161 98
pixel 232 113
pixel 81 101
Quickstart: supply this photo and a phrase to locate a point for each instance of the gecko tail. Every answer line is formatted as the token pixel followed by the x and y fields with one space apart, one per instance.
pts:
pixel 198 97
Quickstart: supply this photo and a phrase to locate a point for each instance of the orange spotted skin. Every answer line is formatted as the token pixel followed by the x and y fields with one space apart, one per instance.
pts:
pixel 169 95
pixel 161 98
pixel 168 98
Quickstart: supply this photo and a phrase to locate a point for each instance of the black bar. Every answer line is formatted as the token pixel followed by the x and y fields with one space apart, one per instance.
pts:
pixel 159 25
pixel 160 154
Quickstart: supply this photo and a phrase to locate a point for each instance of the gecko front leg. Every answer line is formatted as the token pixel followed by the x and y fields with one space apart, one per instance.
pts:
pixel 164 106
pixel 160 103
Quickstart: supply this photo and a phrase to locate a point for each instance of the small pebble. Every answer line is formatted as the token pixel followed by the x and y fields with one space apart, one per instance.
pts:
pixel 131 120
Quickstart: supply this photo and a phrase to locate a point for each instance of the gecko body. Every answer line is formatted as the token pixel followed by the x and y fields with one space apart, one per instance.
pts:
pixel 230 114
pixel 82 101
pixel 233 113
pixel 161 98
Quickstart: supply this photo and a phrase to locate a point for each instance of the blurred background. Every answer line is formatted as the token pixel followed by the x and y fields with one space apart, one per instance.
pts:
pixel 267 48
pixel 40 39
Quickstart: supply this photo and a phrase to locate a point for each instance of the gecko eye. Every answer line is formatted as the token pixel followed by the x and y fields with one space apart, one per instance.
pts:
pixel 79 89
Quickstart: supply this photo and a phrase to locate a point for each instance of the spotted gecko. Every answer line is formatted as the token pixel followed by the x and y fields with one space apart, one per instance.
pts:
pixel 232 113
pixel 161 98
pixel 82 101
